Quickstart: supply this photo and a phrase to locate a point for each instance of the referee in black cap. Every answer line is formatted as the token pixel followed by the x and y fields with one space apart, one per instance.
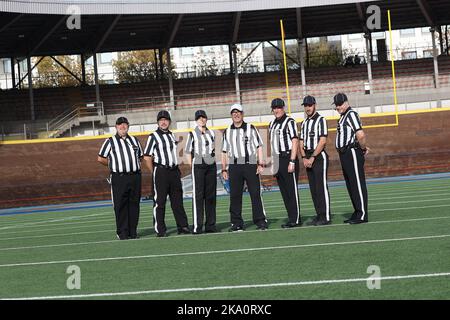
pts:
pixel 351 146
pixel 122 153
pixel 200 151
pixel 285 165
pixel 313 139
pixel 160 155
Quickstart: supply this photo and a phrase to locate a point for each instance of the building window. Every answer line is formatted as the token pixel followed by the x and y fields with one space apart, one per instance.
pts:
pixel 355 36
pixel 187 51
pixel 6 66
pixel 428 53
pixel 408 55
pixel 105 58
pixel 379 35
pixel 333 38
pixel 408 32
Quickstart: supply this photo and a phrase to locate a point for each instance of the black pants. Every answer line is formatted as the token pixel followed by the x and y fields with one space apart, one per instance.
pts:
pixel 287 182
pixel 204 185
pixel 126 195
pixel 238 173
pixel 318 185
pixel 168 182
pixel 352 162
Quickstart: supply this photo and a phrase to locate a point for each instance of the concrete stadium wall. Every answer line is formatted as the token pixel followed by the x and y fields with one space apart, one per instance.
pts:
pixel 67 171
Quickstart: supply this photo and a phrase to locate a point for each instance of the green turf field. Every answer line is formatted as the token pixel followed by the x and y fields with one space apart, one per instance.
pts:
pixel 408 238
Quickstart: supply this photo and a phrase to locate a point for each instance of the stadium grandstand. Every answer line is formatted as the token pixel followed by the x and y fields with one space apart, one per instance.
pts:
pixel 50 136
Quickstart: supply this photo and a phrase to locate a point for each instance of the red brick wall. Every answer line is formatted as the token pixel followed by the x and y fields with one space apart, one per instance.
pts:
pixel 60 172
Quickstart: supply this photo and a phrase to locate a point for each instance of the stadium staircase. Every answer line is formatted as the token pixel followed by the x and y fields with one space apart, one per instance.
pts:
pixel 86 113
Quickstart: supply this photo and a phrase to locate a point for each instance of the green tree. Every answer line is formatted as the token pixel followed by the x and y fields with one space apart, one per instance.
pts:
pixel 139 66
pixel 51 74
pixel 322 54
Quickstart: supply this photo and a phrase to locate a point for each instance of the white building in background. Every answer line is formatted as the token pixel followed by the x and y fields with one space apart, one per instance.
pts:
pixel 415 43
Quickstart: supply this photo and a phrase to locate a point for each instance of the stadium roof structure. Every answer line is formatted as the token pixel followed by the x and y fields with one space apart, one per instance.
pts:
pixel 38 28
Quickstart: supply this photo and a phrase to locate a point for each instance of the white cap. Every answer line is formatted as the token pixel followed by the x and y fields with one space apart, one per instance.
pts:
pixel 237 107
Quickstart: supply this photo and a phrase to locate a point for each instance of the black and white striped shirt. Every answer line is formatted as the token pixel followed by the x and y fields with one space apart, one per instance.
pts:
pixel 201 145
pixel 281 132
pixel 124 155
pixel 162 146
pixel 241 143
pixel 348 125
pixel 311 130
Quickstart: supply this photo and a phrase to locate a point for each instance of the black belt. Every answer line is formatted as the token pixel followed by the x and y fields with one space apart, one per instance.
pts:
pixel 244 161
pixel 126 173
pixel 344 149
pixel 166 167
pixel 285 154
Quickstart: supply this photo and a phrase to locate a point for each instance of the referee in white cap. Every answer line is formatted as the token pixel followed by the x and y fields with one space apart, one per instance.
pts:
pixel 200 151
pixel 242 161
pixel 352 148
pixel 285 164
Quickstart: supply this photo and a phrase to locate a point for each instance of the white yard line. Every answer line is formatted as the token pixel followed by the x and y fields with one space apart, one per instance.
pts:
pixel 303 208
pixel 209 234
pixel 425 189
pixel 243 286
pixel 272 217
pixel 40 263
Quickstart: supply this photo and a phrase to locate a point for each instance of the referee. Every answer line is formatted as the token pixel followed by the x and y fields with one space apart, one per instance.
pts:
pixel 285 166
pixel 122 153
pixel 351 146
pixel 201 158
pixel 313 138
pixel 241 148
pixel 160 155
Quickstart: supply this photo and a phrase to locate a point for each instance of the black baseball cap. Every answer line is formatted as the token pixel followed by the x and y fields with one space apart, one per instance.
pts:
pixel 163 114
pixel 339 99
pixel 308 101
pixel 121 120
pixel 200 113
pixel 277 103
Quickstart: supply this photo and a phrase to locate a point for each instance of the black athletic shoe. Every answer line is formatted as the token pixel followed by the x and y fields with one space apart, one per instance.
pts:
pixel 261 227
pixel 313 221
pixel 323 222
pixel 236 228
pixel 357 221
pixel 184 230
pixel 161 235
pixel 291 225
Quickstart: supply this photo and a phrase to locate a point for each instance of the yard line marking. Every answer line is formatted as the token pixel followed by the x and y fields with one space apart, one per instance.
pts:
pixel 209 234
pixel 408 189
pixel 337 190
pixel 303 208
pixel 243 286
pixel 37 223
pixel 272 217
pixel 166 255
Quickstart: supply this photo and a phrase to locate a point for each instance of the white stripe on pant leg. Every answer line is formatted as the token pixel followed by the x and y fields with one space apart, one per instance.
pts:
pixel 194 202
pixel 325 189
pixel 296 197
pixel 260 196
pixel 155 199
pixel 112 194
pixel 355 164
